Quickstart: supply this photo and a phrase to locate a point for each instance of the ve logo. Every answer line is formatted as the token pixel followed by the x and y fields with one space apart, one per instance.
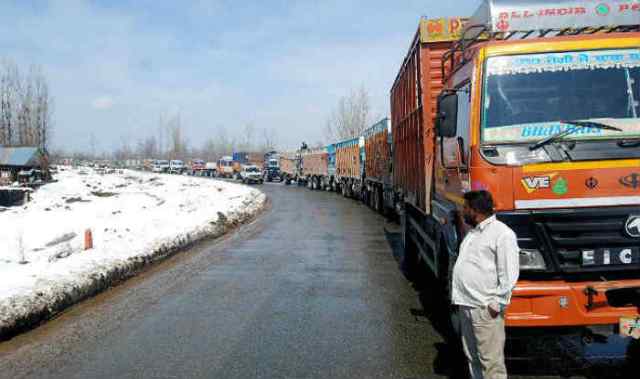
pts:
pixel 632 227
pixel 534 183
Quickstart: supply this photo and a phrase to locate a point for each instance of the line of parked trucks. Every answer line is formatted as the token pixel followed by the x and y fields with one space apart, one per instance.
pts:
pixel 538 103
pixel 247 167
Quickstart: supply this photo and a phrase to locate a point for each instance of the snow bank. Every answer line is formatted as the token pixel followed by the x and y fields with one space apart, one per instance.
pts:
pixel 135 218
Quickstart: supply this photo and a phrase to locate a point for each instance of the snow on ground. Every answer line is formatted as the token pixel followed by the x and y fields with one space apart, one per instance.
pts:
pixel 132 215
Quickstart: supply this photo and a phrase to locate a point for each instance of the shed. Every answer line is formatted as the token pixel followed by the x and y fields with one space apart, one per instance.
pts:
pixel 26 162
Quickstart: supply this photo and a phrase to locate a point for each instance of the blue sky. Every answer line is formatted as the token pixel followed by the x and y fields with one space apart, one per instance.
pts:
pixel 116 67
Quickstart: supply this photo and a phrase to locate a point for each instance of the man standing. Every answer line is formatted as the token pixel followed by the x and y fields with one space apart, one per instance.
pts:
pixel 484 275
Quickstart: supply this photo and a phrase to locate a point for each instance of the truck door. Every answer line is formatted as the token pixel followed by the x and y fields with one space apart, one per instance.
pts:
pixel 454 168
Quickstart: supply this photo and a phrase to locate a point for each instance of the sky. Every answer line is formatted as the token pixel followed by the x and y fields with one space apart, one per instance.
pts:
pixel 116 68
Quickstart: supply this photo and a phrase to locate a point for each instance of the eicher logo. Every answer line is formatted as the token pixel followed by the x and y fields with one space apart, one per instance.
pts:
pixel 534 183
pixel 632 227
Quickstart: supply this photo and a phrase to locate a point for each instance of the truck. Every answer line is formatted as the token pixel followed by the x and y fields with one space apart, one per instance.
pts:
pixel 349 166
pixel 176 166
pixel 226 167
pixel 315 168
pixel 211 169
pixel 160 166
pixel 378 168
pixel 271 167
pixel 197 167
pixel 290 167
pixel 536 103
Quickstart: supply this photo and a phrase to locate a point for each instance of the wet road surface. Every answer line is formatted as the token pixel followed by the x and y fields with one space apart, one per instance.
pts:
pixel 311 289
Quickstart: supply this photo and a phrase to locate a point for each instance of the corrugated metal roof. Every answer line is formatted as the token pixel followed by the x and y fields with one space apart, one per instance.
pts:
pixel 19 156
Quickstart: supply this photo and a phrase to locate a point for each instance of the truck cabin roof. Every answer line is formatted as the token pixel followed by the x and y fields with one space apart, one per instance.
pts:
pixel 518 21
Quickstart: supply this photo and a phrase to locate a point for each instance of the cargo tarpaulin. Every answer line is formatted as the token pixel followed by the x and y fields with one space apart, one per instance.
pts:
pixel 526 15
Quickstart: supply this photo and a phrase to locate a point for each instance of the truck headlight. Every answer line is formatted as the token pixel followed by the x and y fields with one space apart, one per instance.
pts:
pixel 531 259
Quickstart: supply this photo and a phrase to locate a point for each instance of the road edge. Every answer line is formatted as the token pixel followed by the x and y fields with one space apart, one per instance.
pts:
pixel 41 308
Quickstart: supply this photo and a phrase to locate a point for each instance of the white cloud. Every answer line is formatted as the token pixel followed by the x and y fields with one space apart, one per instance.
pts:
pixel 102 103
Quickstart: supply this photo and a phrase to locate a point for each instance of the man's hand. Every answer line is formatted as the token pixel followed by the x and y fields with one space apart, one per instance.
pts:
pixel 494 310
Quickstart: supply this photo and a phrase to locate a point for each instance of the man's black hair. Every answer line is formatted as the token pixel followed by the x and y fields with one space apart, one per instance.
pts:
pixel 480 201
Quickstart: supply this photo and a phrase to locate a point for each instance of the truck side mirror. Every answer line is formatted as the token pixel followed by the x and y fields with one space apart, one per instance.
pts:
pixel 447 118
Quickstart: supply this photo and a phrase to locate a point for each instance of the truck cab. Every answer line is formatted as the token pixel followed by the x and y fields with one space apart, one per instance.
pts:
pixel 176 166
pixel 226 167
pixel 550 124
pixel 538 104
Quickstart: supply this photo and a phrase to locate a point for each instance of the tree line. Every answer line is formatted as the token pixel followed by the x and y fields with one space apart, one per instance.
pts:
pixel 25 106
pixel 169 141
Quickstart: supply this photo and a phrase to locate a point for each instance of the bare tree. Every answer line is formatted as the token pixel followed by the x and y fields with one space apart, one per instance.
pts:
pixel 268 140
pixel 178 142
pixel 93 145
pixel 351 116
pixel 147 148
pixel 124 150
pixel 43 109
pixel 247 137
pixel 25 107
pixel 224 145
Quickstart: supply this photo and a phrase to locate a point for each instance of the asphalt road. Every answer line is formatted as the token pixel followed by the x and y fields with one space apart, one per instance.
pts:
pixel 311 289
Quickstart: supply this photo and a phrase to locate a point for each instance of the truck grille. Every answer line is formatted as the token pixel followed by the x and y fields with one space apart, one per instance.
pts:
pixel 563 235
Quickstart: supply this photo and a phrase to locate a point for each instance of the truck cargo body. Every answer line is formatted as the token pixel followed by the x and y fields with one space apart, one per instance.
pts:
pixel 572 200
pixel 240 157
pixel 315 168
pixel 290 167
pixel 245 158
pixel 349 166
pixel 378 180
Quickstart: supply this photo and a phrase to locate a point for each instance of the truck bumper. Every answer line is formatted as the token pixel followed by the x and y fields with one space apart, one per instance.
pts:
pixel 556 303
pixel 570 327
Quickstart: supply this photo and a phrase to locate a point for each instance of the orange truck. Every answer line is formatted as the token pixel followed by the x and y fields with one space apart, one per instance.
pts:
pixel 378 179
pixel 290 167
pixel 315 167
pixel 349 166
pixel 538 103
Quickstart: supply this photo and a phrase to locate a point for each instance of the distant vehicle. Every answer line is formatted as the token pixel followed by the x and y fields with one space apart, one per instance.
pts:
pixel 251 174
pixel 160 166
pixel 271 166
pixel 176 167
pixel 211 169
pixel 290 167
pixel 226 167
pixel 197 167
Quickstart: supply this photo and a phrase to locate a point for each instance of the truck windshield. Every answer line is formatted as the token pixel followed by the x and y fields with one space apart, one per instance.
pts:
pixel 527 97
